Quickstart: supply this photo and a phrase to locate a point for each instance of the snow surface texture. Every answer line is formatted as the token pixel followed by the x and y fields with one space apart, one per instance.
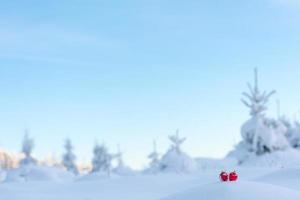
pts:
pixel 253 183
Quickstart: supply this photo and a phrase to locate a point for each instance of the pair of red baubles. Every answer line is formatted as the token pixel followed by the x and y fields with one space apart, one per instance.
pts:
pixel 233 176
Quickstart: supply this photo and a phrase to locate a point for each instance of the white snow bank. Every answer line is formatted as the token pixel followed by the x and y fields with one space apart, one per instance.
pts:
pixel 278 159
pixel 2 175
pixel 123 170
pixel 95 176
pixel 236 191
pixel 263 133
pixel 213 164
pixel 284 177
pixel 154 187
pixel 37 173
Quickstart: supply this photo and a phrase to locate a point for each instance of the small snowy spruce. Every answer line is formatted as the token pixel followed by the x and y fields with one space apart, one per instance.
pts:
pixel 102 160
pixel 175 160
pixel 255 99
pixel 121 169
pixel 27 147
pixel 260 134
pixel 154 159
pixel 68 158
pixel 293 134
pixel 6 160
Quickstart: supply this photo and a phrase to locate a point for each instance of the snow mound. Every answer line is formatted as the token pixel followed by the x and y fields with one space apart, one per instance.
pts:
pixel 220 164
pixel 279 159
pixel 94 176
pixel 263 133
pixel 37 173
pixel 178 162
pixel 2 175
pixel 237 191
pixel 282 175
pixel 123 170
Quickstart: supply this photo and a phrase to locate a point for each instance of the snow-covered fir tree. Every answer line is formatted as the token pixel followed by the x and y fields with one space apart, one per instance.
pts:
pixel 68 158
pixel 6 160
pixel 176 141
pixel 175 160
pixel 293 133
pixel 255 99
pixel 260 134
pixel 121 169
pixel 119 157
pixel 102 160
pixel 27 147
pixel 293 128
pixel 154 157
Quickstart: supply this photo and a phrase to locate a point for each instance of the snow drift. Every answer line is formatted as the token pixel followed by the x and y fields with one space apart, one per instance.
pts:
pixel 37 173
pixel 244 190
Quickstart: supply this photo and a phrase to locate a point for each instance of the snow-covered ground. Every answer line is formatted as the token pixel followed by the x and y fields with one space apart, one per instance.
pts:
pixel 253 183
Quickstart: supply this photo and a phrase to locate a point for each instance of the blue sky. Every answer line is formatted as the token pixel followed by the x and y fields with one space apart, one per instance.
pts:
pixel 128 72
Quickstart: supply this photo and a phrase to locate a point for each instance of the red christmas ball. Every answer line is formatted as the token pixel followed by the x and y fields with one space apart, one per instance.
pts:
pixel 233 176
pixel 223 176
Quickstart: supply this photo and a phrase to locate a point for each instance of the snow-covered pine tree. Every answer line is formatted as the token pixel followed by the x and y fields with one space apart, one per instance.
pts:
pixel 260 134
pixel 176 141
pixel 27 147
pixel 121 169
pixel 293 128
pixel 154 157
pixel 175 160
pixel 119 157
pixel 293 134
pixel 68 158
pixel 6 161
pixel 255 99
pixel 102 160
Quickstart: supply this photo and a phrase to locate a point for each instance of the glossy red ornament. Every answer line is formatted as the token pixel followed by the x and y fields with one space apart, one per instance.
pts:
pixel 233 176
pixel 223 176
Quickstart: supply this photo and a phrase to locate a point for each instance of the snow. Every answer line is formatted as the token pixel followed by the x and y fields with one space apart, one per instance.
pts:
pixel 245 190
pixel 264 134
pixel 219 164
pixel 37 173
pixel 94 176
pixel 123 170
pixel 253 183
pixel 293 134
pixel 278 159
